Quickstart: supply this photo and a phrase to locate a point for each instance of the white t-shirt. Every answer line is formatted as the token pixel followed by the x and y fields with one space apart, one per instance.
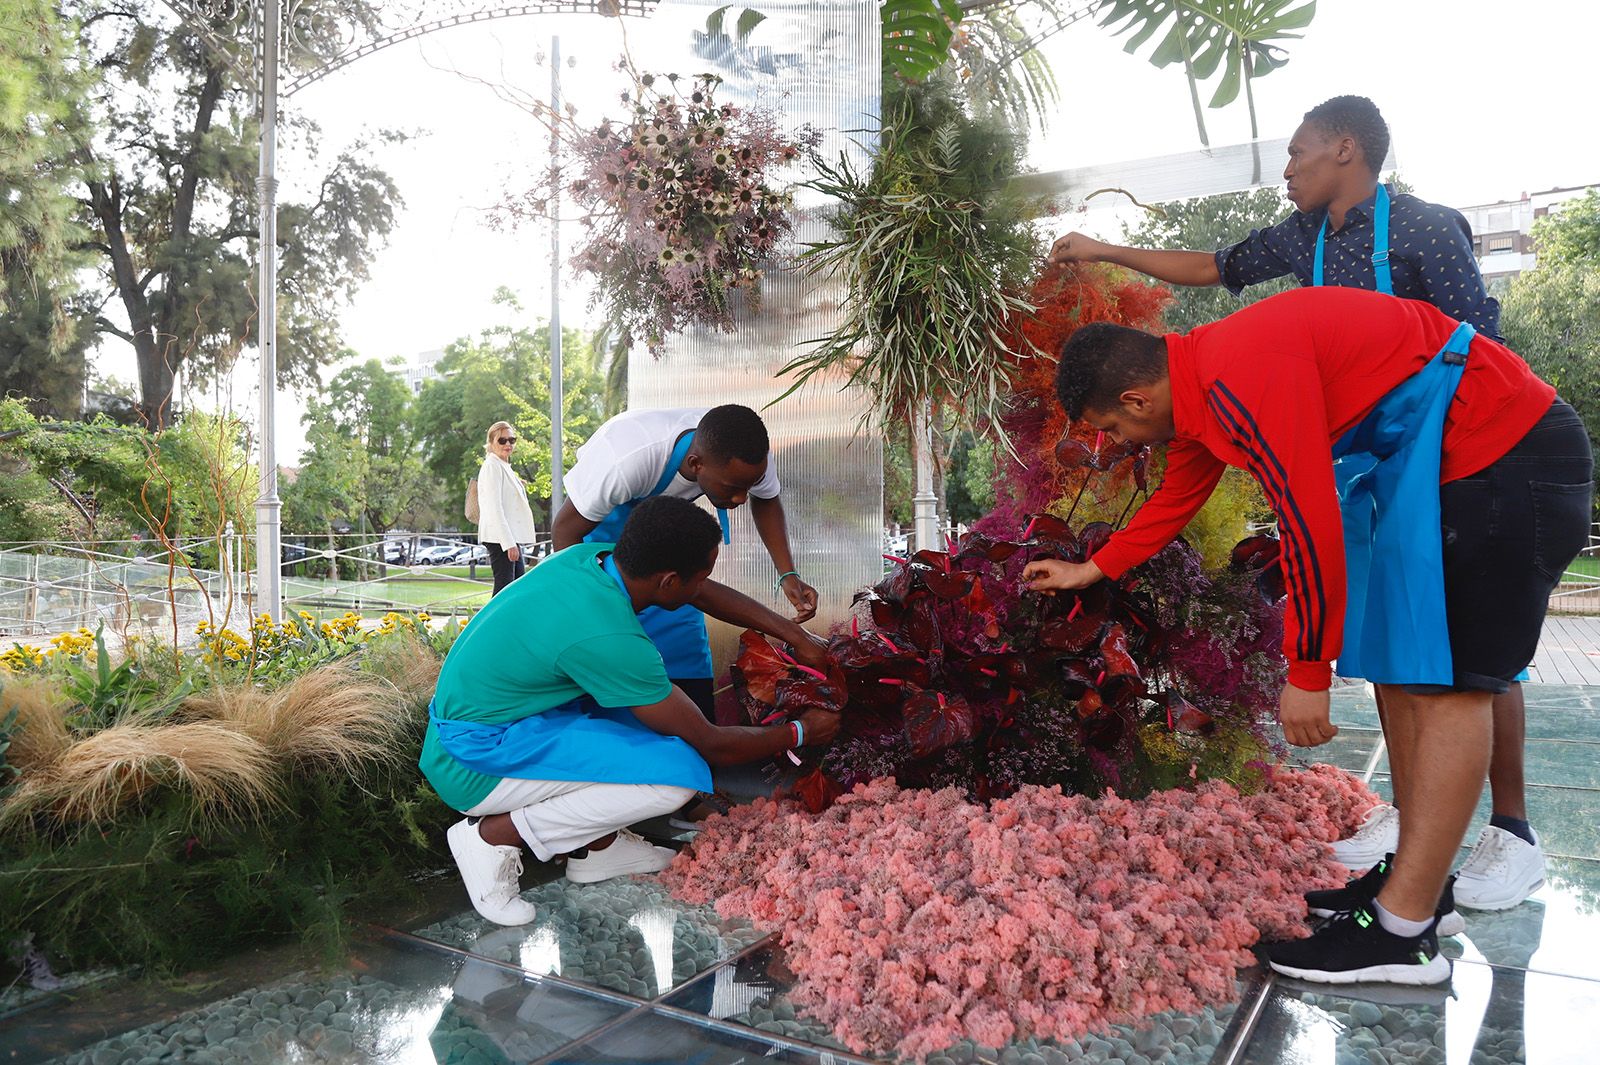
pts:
pixel 626 456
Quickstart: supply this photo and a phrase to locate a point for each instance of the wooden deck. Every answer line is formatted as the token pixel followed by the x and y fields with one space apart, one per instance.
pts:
pixel 1569 651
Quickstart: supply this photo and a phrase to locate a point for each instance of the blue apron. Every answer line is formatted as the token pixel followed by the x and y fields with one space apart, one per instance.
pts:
pixel 680 635
pixel 1357 464
pixel 577 741
pixel 1395 627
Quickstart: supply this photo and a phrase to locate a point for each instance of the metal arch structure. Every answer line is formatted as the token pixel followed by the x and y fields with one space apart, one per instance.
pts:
pixel 252 38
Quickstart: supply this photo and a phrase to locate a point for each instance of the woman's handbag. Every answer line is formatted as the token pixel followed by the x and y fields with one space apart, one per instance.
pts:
pixel 472 501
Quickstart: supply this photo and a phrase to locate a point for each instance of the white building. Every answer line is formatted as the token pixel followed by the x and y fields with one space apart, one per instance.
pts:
pixel 421 369
pixel 1502 233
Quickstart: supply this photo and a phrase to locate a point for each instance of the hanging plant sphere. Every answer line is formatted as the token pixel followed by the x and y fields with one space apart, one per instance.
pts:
pixel 681 209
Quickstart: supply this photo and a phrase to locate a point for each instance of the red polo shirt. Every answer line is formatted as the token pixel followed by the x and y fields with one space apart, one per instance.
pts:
pixel 1270 388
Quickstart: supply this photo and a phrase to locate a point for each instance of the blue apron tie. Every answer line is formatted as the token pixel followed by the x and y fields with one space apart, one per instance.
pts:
pixel 680 635
pixel 577 741
pixel 1395 629
pixel 1380 245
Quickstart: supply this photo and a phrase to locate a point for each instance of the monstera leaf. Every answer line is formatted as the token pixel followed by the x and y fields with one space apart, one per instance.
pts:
pixel 917 35
pixel 1235 36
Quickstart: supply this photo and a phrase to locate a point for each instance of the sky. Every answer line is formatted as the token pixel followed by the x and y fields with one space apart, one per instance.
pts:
pixel 1485 100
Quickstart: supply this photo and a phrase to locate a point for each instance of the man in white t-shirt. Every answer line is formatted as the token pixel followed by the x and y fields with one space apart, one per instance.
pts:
pixel 722 453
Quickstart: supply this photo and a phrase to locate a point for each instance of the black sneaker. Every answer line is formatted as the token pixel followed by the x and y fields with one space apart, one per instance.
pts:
pixel 1354 948
pixel 1361 892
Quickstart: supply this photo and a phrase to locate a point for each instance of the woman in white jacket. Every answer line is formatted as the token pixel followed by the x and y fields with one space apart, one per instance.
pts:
pixel 505 521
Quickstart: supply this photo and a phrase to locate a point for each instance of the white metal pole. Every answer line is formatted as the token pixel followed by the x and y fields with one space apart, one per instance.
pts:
pixel 269 596
pixel 924 505
pixel 556 463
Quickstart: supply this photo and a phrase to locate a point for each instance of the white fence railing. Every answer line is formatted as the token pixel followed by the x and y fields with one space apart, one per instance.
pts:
pixel 150 589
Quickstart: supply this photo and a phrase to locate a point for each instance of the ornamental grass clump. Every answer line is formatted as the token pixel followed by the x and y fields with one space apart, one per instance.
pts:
pixel 223 774
pixel 174 806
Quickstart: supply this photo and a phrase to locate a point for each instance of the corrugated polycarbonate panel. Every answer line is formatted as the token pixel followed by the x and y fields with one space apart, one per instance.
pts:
pixel 819 64
pixel 1180 176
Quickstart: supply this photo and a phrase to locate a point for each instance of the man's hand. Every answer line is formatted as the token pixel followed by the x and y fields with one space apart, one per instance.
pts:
pixel 813 652
pixel 1304 716
pixel 820 725
pixel 513 552
pixel 1050 576
pixel 1077 248
pixel 801 596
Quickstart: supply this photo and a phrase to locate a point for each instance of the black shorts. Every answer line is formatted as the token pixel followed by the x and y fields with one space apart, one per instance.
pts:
pixel 1509 531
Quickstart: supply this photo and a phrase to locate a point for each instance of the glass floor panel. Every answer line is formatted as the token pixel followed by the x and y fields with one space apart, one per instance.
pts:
pixel 390 1001
pixel 627 935
pixel 1487 1016
pixel 753 991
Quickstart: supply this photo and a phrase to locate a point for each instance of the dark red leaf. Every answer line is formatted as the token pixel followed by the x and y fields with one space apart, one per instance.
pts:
pixel 760 666
pixel 1141 469
pixel 897 585
pixel 817 790
pixel 935 721
pixel 1090 704
pixel 885 615
pixel 954 585
pixel 1255 552
pixel 1184 716
pixel 1073 632
pixel 1114 651
pixel 1075 674
pixel 935 560
pixel 1028 672
pixel 1072 454
pixel 921 627
pixel 797 694
pixel 977 545
pixel 1094 537
pixel 1110 455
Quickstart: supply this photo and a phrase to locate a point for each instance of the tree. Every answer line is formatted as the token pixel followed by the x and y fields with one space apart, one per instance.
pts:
pixel 43 330
pixel 363 463
pixel 1570 235
pixel 1204 224
pixel 169 195
pixel 504 374
pixel 1551 314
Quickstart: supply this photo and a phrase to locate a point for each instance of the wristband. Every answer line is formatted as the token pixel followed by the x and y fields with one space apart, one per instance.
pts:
pixel 799 734
pixel 782 577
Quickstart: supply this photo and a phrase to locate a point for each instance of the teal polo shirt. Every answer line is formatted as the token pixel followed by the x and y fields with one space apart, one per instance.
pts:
pixel 562 631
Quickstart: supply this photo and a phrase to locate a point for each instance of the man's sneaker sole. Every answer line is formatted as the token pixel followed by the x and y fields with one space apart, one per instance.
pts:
pixel 1450 924
pixel 1504 902
pixel 1435 971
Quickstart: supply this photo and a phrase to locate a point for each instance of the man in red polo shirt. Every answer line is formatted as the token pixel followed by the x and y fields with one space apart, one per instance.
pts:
pixel 1283 387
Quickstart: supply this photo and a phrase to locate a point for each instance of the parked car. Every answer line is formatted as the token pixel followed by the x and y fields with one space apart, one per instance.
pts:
pixel 437 555
pixel 472 554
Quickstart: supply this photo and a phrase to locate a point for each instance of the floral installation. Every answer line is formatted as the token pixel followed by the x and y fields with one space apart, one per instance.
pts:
pixel 916 918
pixel 682 201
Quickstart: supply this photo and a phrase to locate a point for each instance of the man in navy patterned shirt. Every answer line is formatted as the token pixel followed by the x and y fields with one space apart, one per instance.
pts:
pixel 1332 178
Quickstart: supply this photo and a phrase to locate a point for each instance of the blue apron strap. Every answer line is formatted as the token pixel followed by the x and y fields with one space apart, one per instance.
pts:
pixel 680 451
pixel 1384 282
pixel 1380 242
pixel 610 566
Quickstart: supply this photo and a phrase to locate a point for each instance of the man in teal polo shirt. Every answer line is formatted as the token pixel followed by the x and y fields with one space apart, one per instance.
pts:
pixel 554 724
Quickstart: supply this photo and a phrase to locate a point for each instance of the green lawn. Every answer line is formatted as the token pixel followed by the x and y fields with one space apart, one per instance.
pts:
pixel 1588 566
pixel 415 592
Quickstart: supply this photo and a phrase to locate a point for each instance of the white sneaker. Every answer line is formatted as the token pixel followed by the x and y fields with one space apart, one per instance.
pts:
pixel 627 854
pixel 1378 835
pixel 1502 870
pixel 492 875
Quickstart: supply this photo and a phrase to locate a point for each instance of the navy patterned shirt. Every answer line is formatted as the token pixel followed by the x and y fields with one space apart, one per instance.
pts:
pixel 1430 257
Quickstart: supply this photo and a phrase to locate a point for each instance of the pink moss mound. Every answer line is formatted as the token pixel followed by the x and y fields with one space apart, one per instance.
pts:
pixel 916 918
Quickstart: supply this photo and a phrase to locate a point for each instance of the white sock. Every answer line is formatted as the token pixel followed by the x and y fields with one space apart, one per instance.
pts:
pixel 1399 926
